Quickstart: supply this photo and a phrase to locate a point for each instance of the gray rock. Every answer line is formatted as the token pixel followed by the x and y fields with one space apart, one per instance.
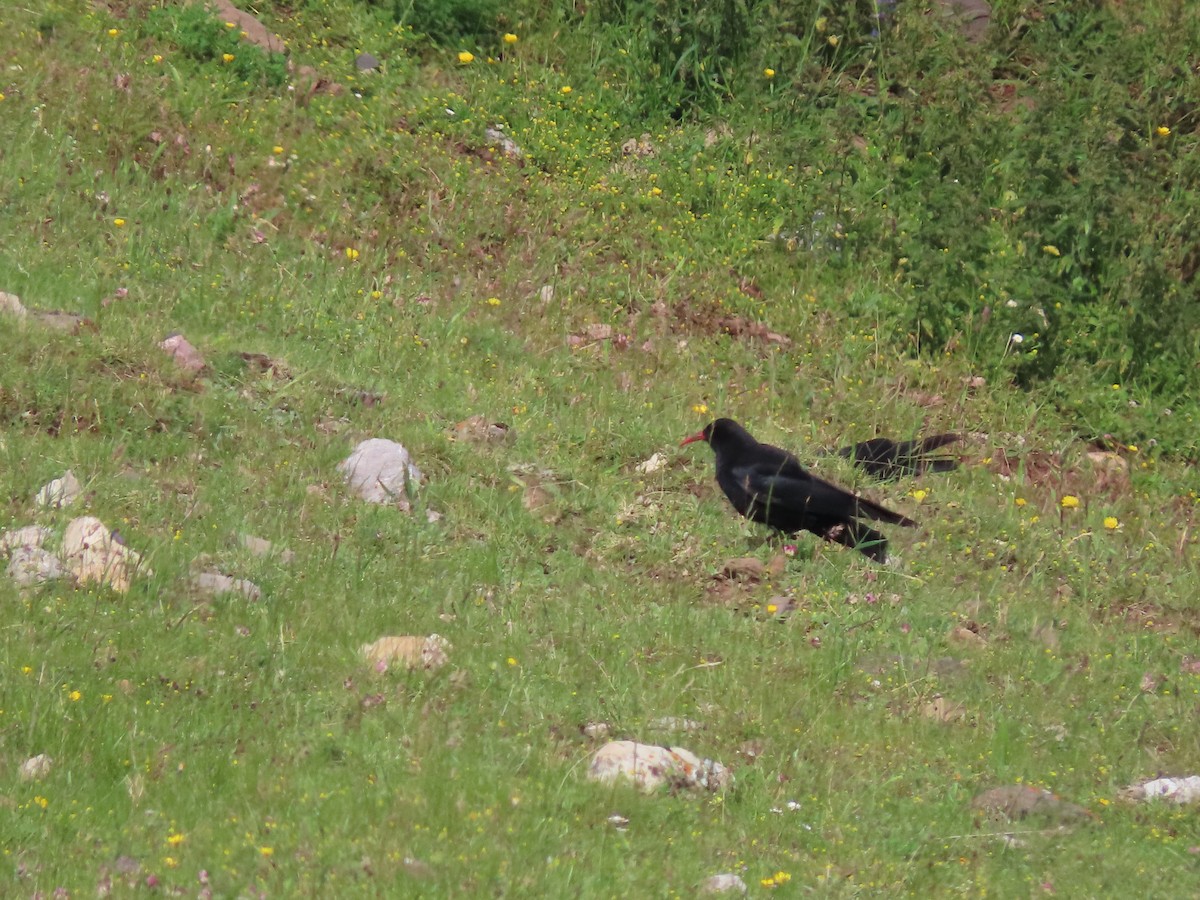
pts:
pixel 11 304
pixel 36 767
pixel 381 471
pixel 366 62
pixel 724 883
pixel 30 566
pixel 650 767
pixel 59 493
pixel 214 584
pixel 30 536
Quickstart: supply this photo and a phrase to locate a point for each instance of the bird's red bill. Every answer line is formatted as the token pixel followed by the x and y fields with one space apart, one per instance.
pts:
pixel 698 436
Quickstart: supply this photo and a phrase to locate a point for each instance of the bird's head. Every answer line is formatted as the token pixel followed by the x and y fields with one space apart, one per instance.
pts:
pixel 715 431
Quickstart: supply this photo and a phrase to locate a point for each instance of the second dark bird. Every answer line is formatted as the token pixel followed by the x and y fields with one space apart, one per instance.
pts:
pixel 889 460
pixel 769 485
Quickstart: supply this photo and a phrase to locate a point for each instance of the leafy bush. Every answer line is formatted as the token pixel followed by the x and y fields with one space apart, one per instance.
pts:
pixel 444 21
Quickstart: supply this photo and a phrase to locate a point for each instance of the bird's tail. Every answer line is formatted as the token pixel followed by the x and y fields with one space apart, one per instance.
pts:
pixel 860 537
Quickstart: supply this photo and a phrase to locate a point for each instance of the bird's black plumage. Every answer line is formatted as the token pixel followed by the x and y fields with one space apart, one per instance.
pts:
pixel 888 460
pixel 769 485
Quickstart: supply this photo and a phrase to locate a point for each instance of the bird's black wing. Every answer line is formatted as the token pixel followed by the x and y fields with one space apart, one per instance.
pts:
pixel 788 484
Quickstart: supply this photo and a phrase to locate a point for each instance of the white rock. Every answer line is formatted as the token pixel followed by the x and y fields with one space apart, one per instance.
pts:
pixel 1177 790
pixel 654 464
pixel 11 303
pixel 596 730
pixel 262 547
pixel 723 883
pixel 91 553
pixel 36 767
pixel 381 471
pixel 674 723
pixel 30 536
pixel 649 767
pixel 214 584
pixel 29 566
pixel 59 493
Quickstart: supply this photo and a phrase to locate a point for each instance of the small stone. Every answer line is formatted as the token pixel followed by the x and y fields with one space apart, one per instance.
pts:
pixel 674 723
pixel 650 767
pixel 30 536
pixel 381 471
pixel 92 553
pixel 1174 790
pixel 213 584
pixel 507 145
pixel 409 651
pixel 596 730
pixel 30 566
pixel 36 767
pixel 261 547
pixel 11 304
pixel 185 355
pixel 726 882
pixel 655 463
pixel 59 493
pixel 366 62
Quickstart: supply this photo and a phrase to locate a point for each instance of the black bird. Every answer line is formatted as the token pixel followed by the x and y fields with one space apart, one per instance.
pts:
pixel 768 485
pixel 889 460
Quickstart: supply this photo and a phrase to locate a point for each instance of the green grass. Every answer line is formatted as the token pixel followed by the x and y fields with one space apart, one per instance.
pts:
pixel 367 239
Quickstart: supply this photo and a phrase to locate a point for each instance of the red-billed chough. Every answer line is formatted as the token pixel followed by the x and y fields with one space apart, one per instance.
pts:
pixel 768 485
pixel 888 460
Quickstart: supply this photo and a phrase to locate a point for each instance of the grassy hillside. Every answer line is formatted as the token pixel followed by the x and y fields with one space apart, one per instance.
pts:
pixel 826 226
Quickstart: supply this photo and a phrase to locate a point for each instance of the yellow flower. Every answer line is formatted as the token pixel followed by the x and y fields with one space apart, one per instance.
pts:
pixel 41 801
pixel 820 24
pixel 656 191
pixel 351 254
pixel 493 301
pixel 566 89
pixel 156 58
pixel 512 661
pixel 74 696
pixel 465 57
pixel 170 862
pixel 768 73
pixel 276 149
pixel 230 25
pixel 833 40
pixel 1110 522
pixel 1051 249
pixel 1 97
pixel 1163 130
pixel 511 38
pixel 228 57
pixel 772 608
pixel 920 494
pixel 701 408
pixel 113 32
pixel 175 839
pixel 1069 501
pixel 1020 501
pixel 266 851
pixel 119 223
